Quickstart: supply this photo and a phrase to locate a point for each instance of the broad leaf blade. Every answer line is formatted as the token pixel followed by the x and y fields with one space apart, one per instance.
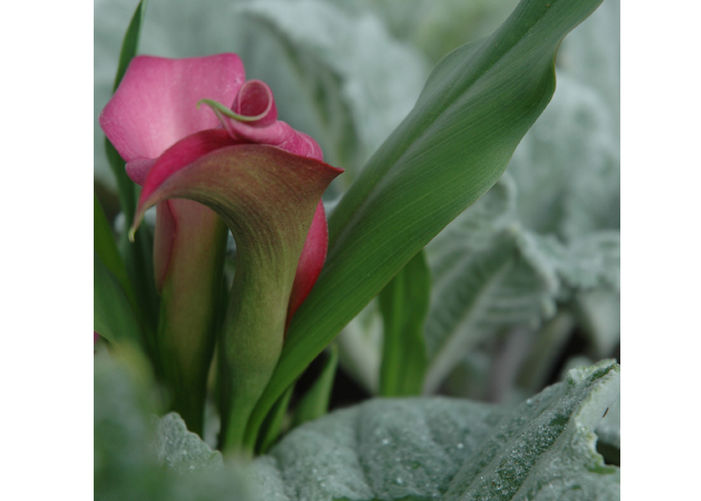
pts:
pixel 557 424
pixel 404 305
pixel 453 450
pixel 453 146
pixel 440 449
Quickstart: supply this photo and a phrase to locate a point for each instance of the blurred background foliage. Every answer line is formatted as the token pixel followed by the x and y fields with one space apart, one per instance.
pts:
pixel 526 281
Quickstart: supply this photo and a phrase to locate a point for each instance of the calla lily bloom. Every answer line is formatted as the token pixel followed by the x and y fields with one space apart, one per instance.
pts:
pixel 157 104
pixel 156 123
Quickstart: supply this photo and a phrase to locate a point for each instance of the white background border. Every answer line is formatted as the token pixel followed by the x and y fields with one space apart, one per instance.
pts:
pixel 46 260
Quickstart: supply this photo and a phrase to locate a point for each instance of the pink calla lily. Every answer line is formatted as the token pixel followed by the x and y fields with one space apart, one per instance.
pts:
pixel 156 122
pixel 157 104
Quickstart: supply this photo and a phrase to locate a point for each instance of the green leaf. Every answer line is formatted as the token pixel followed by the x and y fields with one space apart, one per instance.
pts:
pixel 273 425
pixel 454 145
pixel 315 402
pixel 567 167
pixel 559 203
pixel 106 249
pixel 127 193
pixel 130 43
pixel 384 449
pixel 137 257
pixel 404 305
pixel 547 344
pixel 114 317
pixel 117 312
pixel 599 316
pixel 360 347
pixel 438 448
pixel 489 291
pixel 593 55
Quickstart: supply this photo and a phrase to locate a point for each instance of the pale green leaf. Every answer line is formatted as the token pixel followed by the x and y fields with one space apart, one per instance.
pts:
pixel 437 27
pixel 140 458
pixel 487 292
pixel 599 316
pixel 377 78
pixel 593 54
pixel 181 449
pixel 449 449
pixel 567 167
pixel 360 347
pixel 384 449
pixel 560 207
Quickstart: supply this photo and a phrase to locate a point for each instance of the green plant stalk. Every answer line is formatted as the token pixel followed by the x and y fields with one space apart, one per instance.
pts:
pixel 189 297
pixel 315 402
pixel 275 422
pixel 404 305
pixel 252 336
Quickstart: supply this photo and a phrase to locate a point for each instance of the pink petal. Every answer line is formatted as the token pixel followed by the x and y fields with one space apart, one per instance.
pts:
pixel 138 169
pixel 310 262
pixel 156 102
pixel 256 99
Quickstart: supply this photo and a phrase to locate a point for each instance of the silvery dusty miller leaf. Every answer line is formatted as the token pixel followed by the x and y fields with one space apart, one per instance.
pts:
pixel 440 448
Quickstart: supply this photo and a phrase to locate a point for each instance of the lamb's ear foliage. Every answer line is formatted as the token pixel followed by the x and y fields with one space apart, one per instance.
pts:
pixel 438 448
pixel 476 106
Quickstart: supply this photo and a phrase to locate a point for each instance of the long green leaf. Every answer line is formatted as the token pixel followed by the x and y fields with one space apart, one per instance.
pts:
pixel 130 43
pixel 127 192
pixel 273 425
pixel 404 305
pixel 106 248
pixel 138 256
pixel 114 317
pixel 476 106
pixel 315 403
